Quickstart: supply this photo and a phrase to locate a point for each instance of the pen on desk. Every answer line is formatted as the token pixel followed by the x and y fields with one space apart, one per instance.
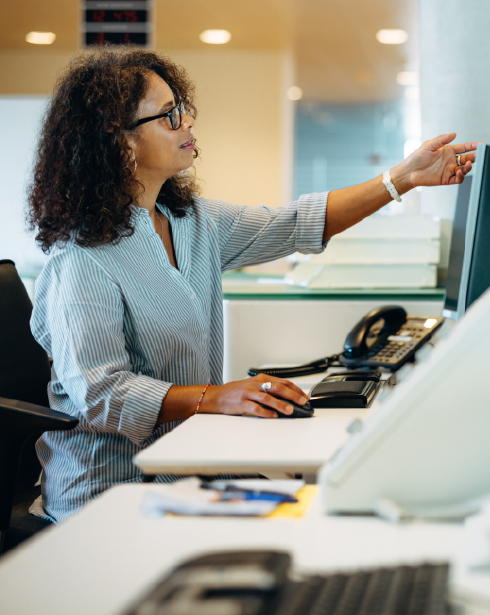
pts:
pixel 256 495
pixel 235 492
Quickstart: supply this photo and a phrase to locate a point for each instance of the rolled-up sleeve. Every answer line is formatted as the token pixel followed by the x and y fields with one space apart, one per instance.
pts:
pixel 254 235
pixel 85 322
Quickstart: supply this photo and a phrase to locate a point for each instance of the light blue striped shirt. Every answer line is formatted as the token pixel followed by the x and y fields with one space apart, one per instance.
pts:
pixel 122 325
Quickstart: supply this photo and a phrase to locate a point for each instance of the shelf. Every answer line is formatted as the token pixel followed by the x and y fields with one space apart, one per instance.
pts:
pixel 245 286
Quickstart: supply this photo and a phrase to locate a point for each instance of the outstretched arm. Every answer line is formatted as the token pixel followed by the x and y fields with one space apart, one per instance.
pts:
pixel 434 163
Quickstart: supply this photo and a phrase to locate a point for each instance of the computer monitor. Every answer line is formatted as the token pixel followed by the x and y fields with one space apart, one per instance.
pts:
pixel 456 254
pixel 468 272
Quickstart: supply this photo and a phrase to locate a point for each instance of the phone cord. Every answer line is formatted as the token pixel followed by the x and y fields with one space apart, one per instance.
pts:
pixel 315 367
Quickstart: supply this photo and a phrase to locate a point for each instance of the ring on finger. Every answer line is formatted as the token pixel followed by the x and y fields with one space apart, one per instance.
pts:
pixel 458 158
pixel 266 386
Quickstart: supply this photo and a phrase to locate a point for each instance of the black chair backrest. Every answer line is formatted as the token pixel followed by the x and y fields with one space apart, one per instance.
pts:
pixel 24 407
pixel 24 365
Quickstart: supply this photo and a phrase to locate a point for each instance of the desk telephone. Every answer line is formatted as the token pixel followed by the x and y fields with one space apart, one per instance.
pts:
pixel 386 337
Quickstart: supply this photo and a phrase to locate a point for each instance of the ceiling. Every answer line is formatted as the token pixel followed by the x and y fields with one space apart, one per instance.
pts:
pixel 338 58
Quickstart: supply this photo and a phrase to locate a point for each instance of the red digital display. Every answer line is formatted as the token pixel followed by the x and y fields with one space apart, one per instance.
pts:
pixel 117 38
pixel 115 16
pixel 119 23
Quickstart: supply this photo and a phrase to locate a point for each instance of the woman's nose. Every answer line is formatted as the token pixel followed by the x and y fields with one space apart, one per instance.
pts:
pixel 187 122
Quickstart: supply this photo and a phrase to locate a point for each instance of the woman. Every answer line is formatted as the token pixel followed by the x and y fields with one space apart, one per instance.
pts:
pixel 129 304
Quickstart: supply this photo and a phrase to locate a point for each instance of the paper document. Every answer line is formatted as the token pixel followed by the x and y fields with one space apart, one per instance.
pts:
pixel 187 498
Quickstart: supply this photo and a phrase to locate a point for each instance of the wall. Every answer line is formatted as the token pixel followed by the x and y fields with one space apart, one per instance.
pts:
pixel 245 123
pixel 31 71
pixel 455 89
pixel 19 123
pixel 244 129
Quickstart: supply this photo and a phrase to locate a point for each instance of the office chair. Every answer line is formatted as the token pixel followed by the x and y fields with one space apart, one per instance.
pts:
pixel 24 410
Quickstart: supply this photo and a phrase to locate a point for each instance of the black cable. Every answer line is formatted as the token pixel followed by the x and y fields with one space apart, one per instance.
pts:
pixel 315 367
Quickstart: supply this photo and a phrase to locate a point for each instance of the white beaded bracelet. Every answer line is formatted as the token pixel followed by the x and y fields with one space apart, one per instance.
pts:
pixel 390 187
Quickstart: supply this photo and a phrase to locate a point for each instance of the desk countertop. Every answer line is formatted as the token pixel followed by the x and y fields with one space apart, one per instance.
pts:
pixel 213 443
pixel 108 554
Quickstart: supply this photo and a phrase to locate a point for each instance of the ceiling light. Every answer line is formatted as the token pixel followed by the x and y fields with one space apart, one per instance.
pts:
pixel 40 38
pixel 295 93
pixel 408 77
pixel 392 37
pixel 412 93
pixel 215 37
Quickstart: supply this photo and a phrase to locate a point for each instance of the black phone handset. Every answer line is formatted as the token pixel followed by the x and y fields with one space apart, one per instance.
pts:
pixel 315 367
pixel 386 337
pixel 374 327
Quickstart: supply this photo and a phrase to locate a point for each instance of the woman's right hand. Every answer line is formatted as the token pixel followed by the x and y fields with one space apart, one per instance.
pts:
pixel 244 397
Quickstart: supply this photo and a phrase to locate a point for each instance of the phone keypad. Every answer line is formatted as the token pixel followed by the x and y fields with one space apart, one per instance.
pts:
pixel 394 351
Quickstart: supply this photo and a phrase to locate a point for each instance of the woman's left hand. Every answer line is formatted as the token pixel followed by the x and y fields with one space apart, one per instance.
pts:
pixel 434 163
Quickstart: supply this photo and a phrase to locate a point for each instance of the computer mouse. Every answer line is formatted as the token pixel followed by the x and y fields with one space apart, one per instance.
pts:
pixel 299 412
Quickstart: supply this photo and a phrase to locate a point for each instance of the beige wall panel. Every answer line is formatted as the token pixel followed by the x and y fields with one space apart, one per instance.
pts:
pixel 245 123
pixel 30 71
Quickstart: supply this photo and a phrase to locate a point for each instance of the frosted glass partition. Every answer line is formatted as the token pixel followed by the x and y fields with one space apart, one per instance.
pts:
pixel 342 145
pixel 19 127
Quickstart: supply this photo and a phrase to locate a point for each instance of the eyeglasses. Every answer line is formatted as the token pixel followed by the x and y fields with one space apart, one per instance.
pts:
pixel 174 115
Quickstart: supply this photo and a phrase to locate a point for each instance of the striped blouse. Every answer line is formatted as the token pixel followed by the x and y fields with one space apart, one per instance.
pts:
pixel 122 325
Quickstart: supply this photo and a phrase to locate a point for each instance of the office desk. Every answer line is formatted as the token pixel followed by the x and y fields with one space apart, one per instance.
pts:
pixel 108 554
pixel 215 443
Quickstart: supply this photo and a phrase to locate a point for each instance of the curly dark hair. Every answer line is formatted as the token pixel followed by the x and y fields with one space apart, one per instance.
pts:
pixel 83 185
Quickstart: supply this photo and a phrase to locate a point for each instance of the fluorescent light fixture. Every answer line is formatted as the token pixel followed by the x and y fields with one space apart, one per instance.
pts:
pixel 215 37
pixel 41 38
pixel 408 77
pixel 412 92
pixel 295 93
pixel 391 37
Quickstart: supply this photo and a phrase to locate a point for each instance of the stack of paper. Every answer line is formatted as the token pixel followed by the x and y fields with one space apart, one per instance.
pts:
pixel 379 252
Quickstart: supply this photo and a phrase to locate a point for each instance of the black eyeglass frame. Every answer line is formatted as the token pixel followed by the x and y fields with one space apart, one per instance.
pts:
pixel 178 106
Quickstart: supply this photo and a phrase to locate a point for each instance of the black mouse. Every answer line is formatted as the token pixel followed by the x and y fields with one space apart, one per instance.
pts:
pixel 299 412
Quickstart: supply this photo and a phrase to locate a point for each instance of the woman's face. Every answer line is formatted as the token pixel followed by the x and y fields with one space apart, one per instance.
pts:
pixel 160 152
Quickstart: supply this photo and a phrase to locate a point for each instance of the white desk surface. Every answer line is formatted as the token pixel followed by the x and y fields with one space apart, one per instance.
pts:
pixel 103 558
pixel 214 443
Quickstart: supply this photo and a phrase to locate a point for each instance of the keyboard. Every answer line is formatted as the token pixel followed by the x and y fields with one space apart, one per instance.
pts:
pixel 404 590
pixel 258 583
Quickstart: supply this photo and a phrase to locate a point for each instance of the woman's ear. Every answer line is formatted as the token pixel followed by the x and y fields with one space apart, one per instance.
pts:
pixel 130 144
pixel 130 150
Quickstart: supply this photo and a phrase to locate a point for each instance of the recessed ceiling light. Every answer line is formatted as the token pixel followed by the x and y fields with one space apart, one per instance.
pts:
pixel 41 38
pixel 215 37
pixel 408 77
pixel 295 93
pixel 412 93
pixel 391 37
